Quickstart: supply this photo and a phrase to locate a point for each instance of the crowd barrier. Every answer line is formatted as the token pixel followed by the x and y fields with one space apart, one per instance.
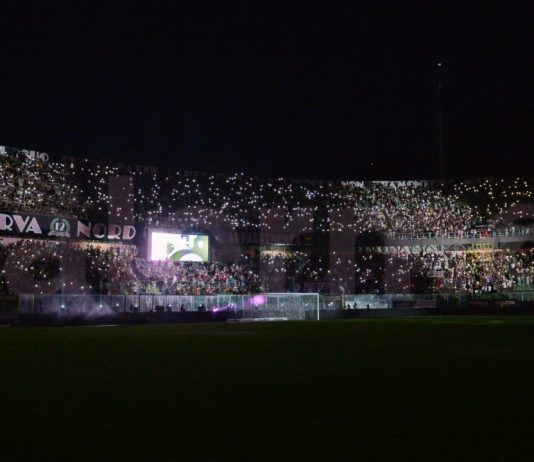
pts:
pixel 269 305
pixel 291 306
pixel 384 301
pixel 520 232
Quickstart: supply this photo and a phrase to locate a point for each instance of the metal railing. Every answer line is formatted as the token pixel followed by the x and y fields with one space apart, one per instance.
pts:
pixel 269 305
pixel 520 232
pixel 290 306
pixel 384 301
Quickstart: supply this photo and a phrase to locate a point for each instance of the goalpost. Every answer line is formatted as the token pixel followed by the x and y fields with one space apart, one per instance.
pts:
pixel 281 306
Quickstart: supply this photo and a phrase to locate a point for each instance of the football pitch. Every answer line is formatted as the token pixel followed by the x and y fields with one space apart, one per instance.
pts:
pixel 434 388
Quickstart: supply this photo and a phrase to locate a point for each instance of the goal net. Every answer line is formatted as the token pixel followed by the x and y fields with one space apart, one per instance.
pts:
pixel 280 307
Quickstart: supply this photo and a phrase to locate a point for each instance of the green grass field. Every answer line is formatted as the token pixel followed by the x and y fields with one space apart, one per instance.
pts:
pixel 444 388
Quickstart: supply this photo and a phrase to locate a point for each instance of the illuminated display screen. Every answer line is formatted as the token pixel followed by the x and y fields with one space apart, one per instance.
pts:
pixel 179 247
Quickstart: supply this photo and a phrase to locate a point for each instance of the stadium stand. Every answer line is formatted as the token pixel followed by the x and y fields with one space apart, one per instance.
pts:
pixel 265 234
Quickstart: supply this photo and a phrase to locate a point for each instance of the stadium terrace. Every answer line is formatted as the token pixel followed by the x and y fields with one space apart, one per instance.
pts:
pixel 83 227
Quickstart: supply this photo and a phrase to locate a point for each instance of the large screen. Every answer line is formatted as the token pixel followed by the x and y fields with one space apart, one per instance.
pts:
pixel 178 247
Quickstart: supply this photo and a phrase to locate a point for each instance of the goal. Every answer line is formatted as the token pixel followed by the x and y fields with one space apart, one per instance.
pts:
pixel 280 307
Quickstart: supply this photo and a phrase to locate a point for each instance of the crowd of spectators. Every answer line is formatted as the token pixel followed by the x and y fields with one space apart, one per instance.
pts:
pixel 415 209
pixel 186 278
pixel 35 266
pixel 34 186
pixel 81 189
pixel 187 199
pixel 468 272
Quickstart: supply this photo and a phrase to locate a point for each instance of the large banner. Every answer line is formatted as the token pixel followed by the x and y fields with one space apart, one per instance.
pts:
pixel 47 227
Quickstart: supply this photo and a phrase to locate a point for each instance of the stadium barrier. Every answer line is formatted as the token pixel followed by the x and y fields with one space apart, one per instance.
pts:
pixel 258 307
pixel 290 306
pixel 385 301
pixel 518 232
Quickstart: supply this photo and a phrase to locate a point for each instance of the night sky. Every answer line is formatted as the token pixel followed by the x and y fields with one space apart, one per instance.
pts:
pixel 301 89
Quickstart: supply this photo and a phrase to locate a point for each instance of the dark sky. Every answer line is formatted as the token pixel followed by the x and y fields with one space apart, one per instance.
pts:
pixel 299 89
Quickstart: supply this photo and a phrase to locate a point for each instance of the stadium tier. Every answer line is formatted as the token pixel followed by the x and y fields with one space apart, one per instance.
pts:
pixel 80 226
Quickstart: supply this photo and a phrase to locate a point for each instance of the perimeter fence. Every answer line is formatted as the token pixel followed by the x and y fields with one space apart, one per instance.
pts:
pixel 385 301
pixel 291 306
